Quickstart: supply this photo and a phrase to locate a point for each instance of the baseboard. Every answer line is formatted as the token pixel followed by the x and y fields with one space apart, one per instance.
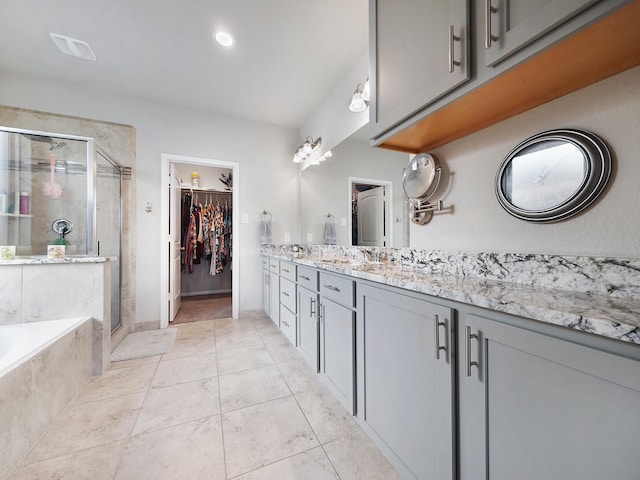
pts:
pixel 208 292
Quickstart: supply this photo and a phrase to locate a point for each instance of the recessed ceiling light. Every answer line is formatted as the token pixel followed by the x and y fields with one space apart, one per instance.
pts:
pixel 73 46
pixel 223 38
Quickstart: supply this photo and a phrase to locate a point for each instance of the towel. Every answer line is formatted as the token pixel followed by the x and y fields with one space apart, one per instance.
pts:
pixel 265 232
pixel 330 232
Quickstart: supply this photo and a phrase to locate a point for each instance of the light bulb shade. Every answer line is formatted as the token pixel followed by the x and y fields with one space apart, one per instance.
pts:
pixel 297 159
pixel 307 147
pixel 357 103
pixel 366 91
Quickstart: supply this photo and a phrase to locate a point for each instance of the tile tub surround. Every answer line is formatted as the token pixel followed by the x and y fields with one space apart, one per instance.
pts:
pixel 146 419
pixel 595 295
pixel 38 289
pixel 36 391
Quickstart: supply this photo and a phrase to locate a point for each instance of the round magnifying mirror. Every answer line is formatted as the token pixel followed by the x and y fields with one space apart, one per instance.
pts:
pixel 553 175
pixel 421 177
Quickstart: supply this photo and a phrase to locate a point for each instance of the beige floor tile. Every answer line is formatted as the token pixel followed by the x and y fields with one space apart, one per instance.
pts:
pixel 192 345
pixel 195 329
pixel 88 425
pixel 265 433
pixel 228 325
pixel 135 362
pixel 241 339
pixel 239 359
pixel 250 387
pixel 282 351
pixel 300 376
pixel 181 403
pixel 190 451
pixel 310 465
pixel 272 335
pixel 182 370
pixel 118 382
pixel 326 415
pixel 262 322
pixel 97 463
pixel 356 458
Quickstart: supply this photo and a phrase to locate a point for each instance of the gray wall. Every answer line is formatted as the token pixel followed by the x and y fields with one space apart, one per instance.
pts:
pixel 611 227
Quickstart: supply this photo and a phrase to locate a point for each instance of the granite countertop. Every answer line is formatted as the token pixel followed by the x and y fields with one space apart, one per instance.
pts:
pixel 43 260
pixel 596 313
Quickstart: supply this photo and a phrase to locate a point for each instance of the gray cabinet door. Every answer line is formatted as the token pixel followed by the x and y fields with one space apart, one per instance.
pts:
pixel 266 292
pixel 308 327
pixel 405 381
pixel 337 361
pixel 274 297
pixel 511 25
pixel 414 59
pixel 535 407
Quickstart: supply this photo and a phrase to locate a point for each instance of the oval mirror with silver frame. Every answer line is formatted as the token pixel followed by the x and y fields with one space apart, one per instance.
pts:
pixel 553 175
pixel 420 180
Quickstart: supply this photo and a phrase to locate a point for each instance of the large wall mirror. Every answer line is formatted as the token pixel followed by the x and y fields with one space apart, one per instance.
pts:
pixel 360 189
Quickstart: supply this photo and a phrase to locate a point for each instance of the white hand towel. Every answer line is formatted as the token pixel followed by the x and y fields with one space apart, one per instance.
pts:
pixel 265 232
pixel 330 232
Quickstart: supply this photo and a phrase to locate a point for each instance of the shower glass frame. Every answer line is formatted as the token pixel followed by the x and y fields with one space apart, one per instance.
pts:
pixel 90 237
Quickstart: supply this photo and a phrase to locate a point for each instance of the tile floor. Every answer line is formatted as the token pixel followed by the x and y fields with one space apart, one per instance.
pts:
pixel 233 399
pixel 204 307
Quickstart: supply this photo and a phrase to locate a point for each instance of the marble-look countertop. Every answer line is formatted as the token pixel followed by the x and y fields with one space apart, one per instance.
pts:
pixel 599 314
pixel 43 260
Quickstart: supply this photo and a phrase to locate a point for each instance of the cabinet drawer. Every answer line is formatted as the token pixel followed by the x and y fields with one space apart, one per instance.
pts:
pixel 288 294
pixel 288 324
pixel 308 278
pixel 337 288
pixel 274 265
pixel 288 270
pixel 265 263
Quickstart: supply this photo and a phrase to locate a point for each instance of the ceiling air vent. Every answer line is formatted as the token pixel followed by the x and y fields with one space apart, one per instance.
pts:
pixel 73 46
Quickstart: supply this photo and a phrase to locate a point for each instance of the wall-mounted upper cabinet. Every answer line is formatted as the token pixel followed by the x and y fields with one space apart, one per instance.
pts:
pixel 419 53
pixel 510 25
pixel 443 69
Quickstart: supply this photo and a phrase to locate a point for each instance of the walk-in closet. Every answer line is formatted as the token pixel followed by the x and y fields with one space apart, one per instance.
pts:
pixel 206 198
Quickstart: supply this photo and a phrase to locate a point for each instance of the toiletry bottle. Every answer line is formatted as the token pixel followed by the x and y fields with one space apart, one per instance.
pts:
pixel 25 203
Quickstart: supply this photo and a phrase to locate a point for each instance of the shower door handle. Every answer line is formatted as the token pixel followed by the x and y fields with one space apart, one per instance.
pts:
pixel 98 254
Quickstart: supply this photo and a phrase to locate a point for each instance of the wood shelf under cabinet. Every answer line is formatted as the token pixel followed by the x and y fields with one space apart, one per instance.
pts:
pixel 601 50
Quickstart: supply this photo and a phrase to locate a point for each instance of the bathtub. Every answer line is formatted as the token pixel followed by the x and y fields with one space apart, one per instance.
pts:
pixel 43 366
pixel 20 342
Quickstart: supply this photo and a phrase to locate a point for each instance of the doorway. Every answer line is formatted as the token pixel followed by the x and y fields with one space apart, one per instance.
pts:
pixel 371 212
pixel 192 276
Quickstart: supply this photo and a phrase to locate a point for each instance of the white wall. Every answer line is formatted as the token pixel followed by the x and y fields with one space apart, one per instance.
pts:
pixel 268 178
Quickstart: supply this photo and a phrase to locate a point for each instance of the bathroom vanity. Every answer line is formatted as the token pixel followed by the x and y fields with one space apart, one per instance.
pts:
pixel 456 374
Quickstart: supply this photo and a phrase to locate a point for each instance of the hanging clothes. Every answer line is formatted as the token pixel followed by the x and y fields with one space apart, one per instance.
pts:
pixel 206 231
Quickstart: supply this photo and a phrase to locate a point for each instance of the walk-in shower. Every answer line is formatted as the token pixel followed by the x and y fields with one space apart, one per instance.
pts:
pixel 65 190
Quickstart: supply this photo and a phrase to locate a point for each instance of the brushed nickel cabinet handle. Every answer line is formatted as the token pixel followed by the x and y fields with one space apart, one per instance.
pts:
pixel 468 336
pixel 304 277
pixel 285 294
pixel 312 305
pixel 488 10
pixel 331 287
pixel 452 39
pixel 437 326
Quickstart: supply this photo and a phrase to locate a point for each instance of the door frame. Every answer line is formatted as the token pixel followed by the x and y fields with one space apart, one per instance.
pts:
pixel 166 160
pixel 388 205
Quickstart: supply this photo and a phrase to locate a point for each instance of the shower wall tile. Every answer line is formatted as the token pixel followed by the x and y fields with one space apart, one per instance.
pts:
pixel 11 294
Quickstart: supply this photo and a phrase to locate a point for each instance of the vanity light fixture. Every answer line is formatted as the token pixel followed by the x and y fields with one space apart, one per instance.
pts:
pixel 325 155
pixel 306 148
pixel 366 91
pixel 358 103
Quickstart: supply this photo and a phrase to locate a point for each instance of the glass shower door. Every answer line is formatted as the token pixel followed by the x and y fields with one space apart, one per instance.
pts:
pixel 108 225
